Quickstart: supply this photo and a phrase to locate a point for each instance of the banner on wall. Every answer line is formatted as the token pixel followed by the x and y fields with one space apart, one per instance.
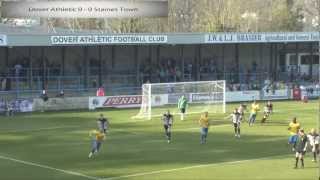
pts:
pixel 109 39
pixel 129 101
pixel 216 38
pixel 234 96
pixel 115 101
pixel 277 94
pixel 18 105
pixel 310 92
pixel 159 100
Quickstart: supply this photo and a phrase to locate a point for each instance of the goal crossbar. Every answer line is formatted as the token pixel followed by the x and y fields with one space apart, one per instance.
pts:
pixel 201 96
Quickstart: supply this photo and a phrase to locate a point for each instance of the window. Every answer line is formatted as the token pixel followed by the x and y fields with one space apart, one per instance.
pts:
pixel 293 60
pixel 309 59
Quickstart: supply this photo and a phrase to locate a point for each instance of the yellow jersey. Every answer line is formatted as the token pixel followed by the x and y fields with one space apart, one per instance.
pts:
pixel 97 135
pixel 254 108
pixel 204 121
pixel 293 128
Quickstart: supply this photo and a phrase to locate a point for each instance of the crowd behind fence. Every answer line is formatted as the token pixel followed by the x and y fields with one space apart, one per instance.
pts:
pixel 31 83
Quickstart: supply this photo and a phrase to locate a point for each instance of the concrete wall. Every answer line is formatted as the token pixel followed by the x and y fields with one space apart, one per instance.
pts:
pixel 53 104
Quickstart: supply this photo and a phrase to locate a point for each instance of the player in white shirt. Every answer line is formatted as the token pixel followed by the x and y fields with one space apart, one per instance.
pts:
pixel 266 113
pixel 313 138
pixel 236 120
pixel 242 108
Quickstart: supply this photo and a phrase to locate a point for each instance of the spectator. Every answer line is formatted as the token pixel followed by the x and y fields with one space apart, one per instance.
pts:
pixel 172 74
pixel 9 109
pixel 100 91
pixel 17 69
pixel 61 94
pixel 3 83
pixel 94 83
pixel 178 74
pixel 162 74
pixel 254 66
pixel 212 66
pixel 44 95
pixel 8 84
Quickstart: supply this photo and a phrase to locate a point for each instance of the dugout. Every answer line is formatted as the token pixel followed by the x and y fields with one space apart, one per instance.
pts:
pixel 125 61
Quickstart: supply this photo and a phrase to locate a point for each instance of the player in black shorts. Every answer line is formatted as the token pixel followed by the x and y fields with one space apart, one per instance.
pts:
pixel 167 119
pixel 236 120
pixel 269 107
pixel 103 124
pixel 300 147
pixel 267 111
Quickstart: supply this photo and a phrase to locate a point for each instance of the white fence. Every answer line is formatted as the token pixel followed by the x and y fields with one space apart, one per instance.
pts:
pixel 163 99
pixel 134 101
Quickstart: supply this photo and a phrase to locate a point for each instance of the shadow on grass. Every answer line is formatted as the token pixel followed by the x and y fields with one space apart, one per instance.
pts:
pixel 123 154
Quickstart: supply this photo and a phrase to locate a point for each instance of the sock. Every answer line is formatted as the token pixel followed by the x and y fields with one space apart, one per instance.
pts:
pixel 90 154
pixel 238 131
pixel 235 130
pixel 315 156
pixel 297 159
pixel 302 163
pixel 169 136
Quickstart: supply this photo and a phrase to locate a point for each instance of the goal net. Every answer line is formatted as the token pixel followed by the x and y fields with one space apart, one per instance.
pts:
pixel 202 96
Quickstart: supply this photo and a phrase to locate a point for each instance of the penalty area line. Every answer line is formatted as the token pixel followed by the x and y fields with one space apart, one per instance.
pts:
pixel 48 167
pixel 190 167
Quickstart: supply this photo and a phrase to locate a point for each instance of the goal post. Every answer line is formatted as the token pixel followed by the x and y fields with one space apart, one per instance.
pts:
pixel 202 96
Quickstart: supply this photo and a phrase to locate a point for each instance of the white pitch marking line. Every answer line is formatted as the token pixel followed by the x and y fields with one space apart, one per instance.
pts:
pixel 48 167
pixel 187 167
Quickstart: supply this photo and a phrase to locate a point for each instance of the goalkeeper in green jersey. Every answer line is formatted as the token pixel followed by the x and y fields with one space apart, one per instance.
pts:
pixel 182 105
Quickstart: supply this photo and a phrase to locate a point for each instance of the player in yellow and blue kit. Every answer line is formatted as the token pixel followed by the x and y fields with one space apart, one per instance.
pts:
pixel 97 138
pixel 293 128
pixel 204 124
pixel 254 110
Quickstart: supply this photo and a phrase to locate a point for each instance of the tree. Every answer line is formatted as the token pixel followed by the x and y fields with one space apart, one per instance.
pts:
pixel 211 16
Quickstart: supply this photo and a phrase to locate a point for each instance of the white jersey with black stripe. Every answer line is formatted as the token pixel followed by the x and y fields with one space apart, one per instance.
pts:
pixel 167 119
pixel 236 119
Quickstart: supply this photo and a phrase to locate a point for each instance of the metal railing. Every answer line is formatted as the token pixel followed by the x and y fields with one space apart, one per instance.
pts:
pixel 123 84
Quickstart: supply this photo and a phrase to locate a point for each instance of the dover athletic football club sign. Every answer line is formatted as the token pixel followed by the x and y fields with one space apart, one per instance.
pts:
pixel 109 39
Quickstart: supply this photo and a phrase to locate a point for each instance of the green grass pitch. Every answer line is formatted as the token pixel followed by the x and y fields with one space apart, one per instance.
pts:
pixel 55 145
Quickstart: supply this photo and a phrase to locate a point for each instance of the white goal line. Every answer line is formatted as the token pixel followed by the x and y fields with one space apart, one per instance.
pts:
pixel 48 167
pixel 191 167
pixel 137 174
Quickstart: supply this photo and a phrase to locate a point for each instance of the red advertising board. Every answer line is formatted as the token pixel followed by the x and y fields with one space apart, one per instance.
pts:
pixel 122 101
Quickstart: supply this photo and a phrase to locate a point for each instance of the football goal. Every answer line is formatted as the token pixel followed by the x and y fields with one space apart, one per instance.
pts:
pixel 201 96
